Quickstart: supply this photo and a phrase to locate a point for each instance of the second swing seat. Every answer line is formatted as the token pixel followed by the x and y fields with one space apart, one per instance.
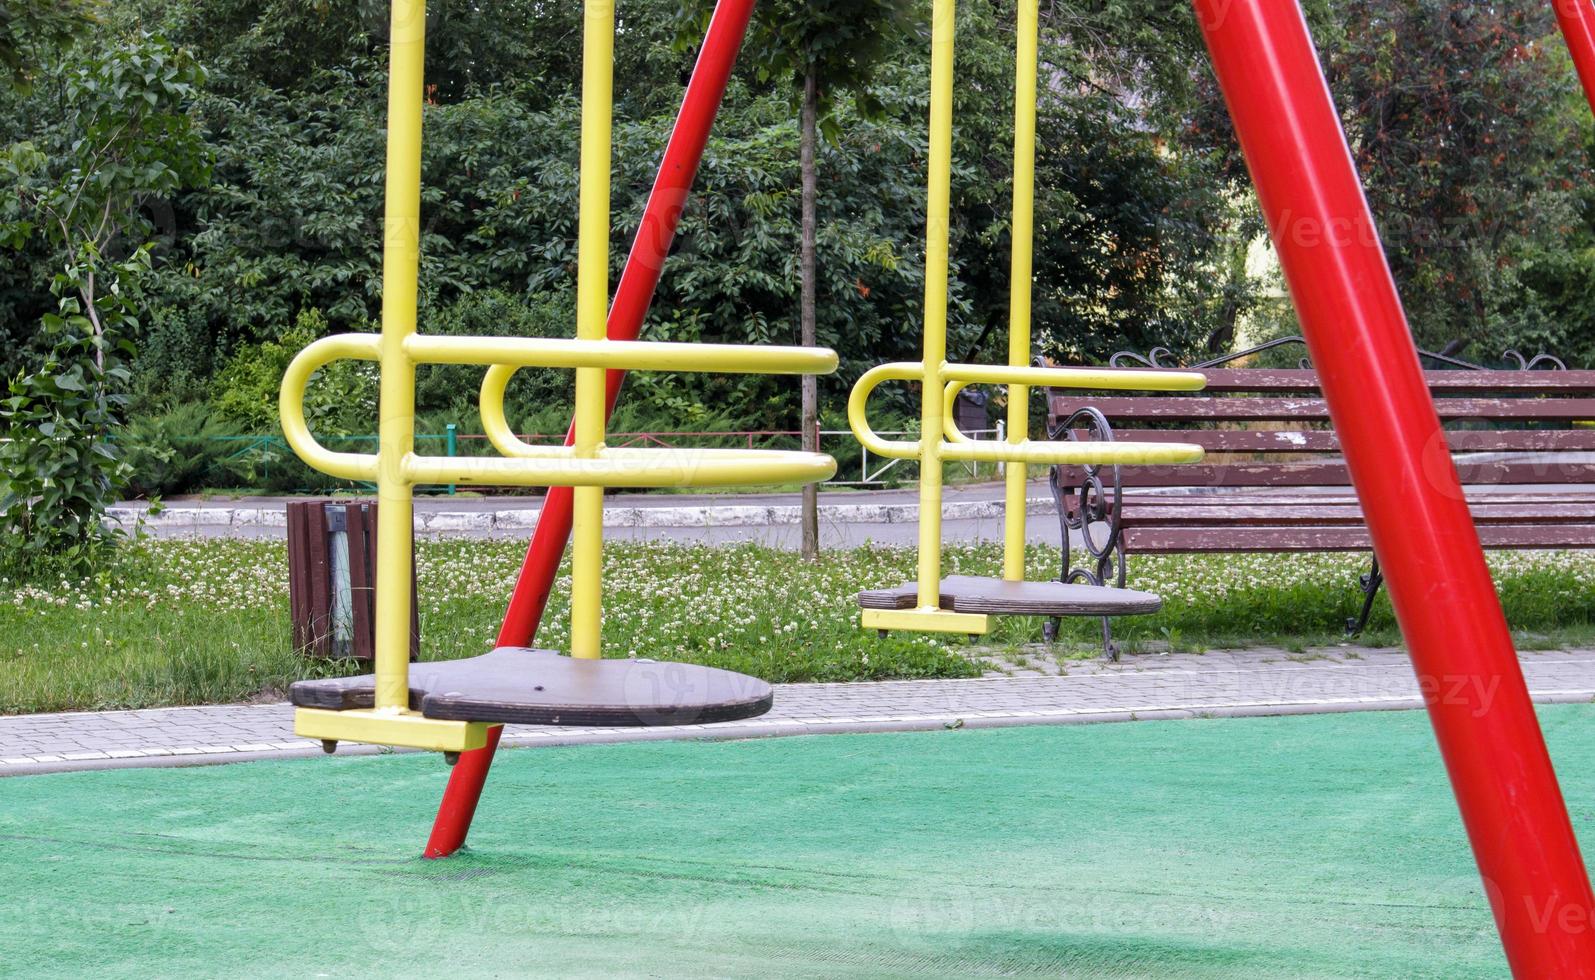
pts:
pixel 971 594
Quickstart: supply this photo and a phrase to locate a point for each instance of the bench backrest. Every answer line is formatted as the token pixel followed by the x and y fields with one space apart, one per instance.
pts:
pixel 1268 427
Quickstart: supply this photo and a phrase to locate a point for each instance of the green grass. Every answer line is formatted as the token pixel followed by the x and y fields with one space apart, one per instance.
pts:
pixel 1325 846
pixel 186 622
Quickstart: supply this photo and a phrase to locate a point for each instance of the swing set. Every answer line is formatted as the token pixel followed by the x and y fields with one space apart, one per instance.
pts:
pixel 964 603
pixel 1352 318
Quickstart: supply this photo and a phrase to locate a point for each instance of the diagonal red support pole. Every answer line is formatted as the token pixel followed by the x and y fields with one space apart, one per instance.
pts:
pixel 633 294
pixel 1423 534
pixel 1577 18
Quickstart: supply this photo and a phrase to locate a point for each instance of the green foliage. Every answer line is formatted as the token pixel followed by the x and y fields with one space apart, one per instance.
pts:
pixel 451 390
pixel 287 45
pixel 1463 168
pixel 1558 280
pixel 126 136
pixel 176 354
pixel 841 43
pixel 97 160
pixel 58 466
pixel 341 399
pixel 83 177
pixel 1465 122
pixel 31 31
pixel 175 450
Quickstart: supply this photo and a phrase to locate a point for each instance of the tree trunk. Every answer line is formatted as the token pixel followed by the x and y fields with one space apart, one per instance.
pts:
pixel 811 437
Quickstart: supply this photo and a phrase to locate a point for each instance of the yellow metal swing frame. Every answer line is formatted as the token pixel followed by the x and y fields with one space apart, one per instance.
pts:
pixel 588 465
pixel 940 381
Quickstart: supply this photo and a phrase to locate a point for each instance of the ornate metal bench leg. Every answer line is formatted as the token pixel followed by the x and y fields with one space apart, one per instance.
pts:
pixel 1370 590
pixel 1087 509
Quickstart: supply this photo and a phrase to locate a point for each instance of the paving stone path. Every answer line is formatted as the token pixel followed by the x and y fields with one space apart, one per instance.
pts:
pixel 1220 683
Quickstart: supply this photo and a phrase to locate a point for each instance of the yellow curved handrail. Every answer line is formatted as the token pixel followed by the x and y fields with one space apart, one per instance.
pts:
pixel 953 378
pixel 617 355
pixel 631 467
pixel 291 404
pixel 545 466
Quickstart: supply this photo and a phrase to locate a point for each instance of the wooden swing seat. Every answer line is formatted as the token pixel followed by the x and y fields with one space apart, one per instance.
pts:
pixel 519 685
pixel 995 596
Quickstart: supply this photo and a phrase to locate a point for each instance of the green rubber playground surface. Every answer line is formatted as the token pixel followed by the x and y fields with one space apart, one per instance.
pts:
pixel 1301 847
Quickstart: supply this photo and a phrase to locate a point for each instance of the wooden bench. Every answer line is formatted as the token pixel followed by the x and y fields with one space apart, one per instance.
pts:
pixel 1274 480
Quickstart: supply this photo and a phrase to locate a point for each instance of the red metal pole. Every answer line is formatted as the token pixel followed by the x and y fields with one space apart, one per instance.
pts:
pixel 1577 18
pixel 1423 534
pixel 633 294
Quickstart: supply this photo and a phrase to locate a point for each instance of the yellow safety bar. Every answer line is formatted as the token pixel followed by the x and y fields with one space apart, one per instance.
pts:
pixel 941 382
pixel 1020 273
pixel 588 465
pixel 559 465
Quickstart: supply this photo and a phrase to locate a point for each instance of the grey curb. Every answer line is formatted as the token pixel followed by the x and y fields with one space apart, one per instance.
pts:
pixel 782 728
pixel 524 519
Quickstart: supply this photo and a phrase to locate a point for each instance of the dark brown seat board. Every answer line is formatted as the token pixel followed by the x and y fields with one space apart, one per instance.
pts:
pixel 518 685
pixel 970 594
pixel 1239 538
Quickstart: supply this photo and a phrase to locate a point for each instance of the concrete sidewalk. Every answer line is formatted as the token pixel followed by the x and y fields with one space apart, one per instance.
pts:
pixel 1215 684
pixel 848 518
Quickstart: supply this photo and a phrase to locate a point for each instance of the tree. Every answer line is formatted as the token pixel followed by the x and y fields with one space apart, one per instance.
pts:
pixel 1465 123
pixel 32 30
pixel 127 139
pixel 1451 111
pixel 81 187
pixel 823 49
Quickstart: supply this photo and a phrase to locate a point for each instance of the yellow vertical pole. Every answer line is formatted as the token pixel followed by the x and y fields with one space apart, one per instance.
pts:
pixel 1019 279
pixel 937 194
pixel 400 266
pixel 592 306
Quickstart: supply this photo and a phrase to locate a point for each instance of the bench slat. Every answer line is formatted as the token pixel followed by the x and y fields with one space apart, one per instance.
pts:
pixel 1326 441
pixel 1204 409
pixel 1154 540
pixel 1331 473
pixel 1479 495
pixel 1271 381
pixel 1295 514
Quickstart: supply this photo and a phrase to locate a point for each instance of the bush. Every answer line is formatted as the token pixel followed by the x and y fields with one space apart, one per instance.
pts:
pixel 452 389
pixel 175 356
pixel 175 451
pixel 58 471
pixel 341 400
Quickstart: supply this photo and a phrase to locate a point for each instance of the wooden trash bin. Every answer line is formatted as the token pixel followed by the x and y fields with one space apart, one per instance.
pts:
pixel 332 565
pixel 970 412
